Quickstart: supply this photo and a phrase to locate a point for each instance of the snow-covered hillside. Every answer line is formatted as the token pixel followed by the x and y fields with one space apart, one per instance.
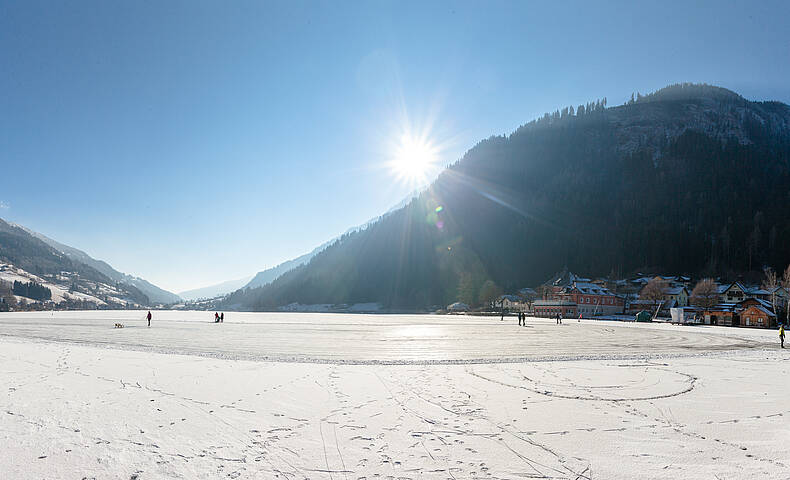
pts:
pixel 67 288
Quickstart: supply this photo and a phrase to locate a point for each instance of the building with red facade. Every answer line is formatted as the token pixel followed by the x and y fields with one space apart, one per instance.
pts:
pixel 590 299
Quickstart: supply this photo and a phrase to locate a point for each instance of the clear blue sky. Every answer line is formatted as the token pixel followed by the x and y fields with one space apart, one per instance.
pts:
pixel 196 142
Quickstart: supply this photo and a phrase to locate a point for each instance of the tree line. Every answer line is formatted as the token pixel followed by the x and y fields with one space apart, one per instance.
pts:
pixel 32 290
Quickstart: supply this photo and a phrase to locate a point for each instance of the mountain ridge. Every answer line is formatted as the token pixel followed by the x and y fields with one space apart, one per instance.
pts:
pixel 597 189
pixel 31 256
pixel 267 276
pixel 216 290
pixel 155 294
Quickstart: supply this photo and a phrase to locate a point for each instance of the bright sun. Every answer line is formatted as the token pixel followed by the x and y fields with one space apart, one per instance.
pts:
pixel 414 159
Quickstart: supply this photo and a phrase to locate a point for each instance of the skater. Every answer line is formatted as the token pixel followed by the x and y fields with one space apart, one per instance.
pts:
pixel 222 317
pixel 782 335
pixel 560 317
pixel 216 317
pixel 149 317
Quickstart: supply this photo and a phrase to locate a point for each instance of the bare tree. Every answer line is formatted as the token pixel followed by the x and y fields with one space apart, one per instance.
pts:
pixel 655 290
pixel 770 283
pixel 528 299
pixel 705 294
pixel 489 292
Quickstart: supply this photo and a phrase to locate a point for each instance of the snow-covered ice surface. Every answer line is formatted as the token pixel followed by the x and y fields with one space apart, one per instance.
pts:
pixel 298 396
pixel 321 337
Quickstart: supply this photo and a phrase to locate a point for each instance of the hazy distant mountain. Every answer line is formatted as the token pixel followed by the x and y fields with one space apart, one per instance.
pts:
pixel 31 255
pixel 213 291
pixel 269 275
pixel 691 178
pixel 154 293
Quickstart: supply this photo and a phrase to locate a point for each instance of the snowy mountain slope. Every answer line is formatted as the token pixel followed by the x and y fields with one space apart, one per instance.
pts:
pixel 64 292
pixel 154 293
pixel 23 256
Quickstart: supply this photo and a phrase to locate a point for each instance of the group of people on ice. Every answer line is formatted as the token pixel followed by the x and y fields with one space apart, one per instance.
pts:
pixel 522 319
pixel 218 318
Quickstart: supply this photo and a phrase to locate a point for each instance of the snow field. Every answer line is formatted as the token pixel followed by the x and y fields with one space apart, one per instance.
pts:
pixel 702 403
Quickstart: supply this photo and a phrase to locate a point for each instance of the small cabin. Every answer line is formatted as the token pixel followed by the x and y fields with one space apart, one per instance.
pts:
pixel 756 313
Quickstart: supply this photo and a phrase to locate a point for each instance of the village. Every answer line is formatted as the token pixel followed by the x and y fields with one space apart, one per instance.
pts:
pixel 653 298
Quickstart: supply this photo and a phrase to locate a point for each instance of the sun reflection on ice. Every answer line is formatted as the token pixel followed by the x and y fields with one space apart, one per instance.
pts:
pixel 419 331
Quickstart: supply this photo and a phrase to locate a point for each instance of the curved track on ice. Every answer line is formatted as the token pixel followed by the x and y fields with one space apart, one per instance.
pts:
pixel 372 339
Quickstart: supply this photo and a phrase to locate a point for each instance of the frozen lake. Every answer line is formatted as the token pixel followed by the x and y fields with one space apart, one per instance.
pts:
pixel 322 337
pixel 352 397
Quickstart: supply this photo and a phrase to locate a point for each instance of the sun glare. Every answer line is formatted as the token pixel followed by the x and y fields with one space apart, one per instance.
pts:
pixel 414 159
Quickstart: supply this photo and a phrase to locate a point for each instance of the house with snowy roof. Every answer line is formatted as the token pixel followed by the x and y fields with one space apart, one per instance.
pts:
pixel 510 302
pixel 782 297
pixel 755 312
pixel 679 295
pixel 732 293
pixel 457 307
pixel 778 294
pixel 737 292
pixel 722 314
pixel 564 279
pixel 591 298
pixel 751 312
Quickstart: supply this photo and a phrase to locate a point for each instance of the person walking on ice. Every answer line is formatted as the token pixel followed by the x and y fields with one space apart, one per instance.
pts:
pixel 149 317
pixel 782 335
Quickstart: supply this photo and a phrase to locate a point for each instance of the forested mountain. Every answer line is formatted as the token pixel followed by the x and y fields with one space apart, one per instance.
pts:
pixel 21 249
pixel 690 179
pixel 154 293
pixel 267 276
pixel 271 274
